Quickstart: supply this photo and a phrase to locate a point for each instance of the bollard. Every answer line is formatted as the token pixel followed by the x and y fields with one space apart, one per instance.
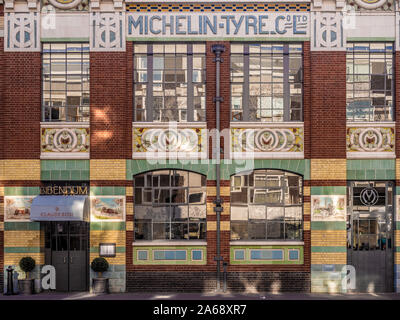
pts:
pixel 10 281
pixel 225 265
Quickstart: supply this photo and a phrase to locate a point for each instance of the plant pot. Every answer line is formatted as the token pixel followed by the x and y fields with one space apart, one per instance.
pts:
pixel 100 285
pixel 25 286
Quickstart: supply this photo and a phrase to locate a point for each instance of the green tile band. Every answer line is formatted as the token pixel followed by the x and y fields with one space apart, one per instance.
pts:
pixel 228 167
pixel 21 191
pixel 329 249
pixel 100 226
pixel 107 191
pixel 328 225
pixel 69 170
pixel 22 250
pixel 117 249
pixel 336 190
pixel 377 169
pixel 22 226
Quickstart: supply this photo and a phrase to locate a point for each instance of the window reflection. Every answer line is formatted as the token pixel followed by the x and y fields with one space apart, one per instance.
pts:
pixel 65 82
pixel 369 81
pixel 170 205
pixel 266 82
pixel 266 204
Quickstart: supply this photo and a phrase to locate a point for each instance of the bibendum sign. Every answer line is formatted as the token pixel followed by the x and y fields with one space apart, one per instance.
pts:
pixel 219 24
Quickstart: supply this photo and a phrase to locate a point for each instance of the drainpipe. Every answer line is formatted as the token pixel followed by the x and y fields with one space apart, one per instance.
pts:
pixel 217 49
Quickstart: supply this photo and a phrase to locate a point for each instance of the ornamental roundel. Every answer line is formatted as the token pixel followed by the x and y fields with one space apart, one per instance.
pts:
pixel 65 4
pixel 369 196
pixel 370 4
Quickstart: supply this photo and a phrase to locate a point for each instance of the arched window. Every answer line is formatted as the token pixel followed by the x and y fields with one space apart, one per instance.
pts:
pixel 266 205
pixel 170 205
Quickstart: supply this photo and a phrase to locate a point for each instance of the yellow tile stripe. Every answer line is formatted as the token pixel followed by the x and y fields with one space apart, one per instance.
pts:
pixel 112 169
pixel 212 226
pixel 327 238
pixel 118 260
pixel 22 238
pixel 328 258
pixel 19 170
pixel 14 258
pixel 107 236
pixel 328 169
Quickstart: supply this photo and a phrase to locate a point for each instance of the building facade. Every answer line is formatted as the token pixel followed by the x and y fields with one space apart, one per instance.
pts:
pixel 189 141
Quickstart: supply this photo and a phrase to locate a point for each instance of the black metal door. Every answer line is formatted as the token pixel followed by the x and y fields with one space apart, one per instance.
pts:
pixel 370 235
pixel 67 244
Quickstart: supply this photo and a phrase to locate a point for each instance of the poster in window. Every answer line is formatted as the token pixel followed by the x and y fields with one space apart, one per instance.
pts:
pixel 328 208
pixel 107 208
pixel 17 208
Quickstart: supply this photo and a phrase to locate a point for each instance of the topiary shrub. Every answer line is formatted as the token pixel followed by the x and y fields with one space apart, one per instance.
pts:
pixel 99 265
pixel 27 264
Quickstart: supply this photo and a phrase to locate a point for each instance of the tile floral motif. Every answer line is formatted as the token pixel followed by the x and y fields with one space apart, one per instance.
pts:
pixel 267 140
pixel 65 139
pixel 369 139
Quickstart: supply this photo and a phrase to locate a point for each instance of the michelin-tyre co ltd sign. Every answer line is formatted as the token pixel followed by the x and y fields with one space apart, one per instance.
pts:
pixel 221 25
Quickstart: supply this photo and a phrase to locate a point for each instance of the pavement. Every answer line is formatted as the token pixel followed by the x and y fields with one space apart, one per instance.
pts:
pixel 202 296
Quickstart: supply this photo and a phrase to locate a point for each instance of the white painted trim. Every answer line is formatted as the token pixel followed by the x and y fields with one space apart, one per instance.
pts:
pixel 266 155
pixel 266 243
pixel 352 124
pixel 256 125
pixel 64 155
pixel 171 125
pixel 169 155
pixel 370 155
pixel 157 243
pixel 60 125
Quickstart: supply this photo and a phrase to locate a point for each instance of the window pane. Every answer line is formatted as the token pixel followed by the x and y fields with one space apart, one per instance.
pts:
pixel 65 82
pixel 268 198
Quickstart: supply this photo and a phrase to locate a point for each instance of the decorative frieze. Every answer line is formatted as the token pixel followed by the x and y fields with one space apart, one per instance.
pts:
pixel 328 208
pixel 67 141
pixel 368 140
pixel 179 141
pixel 107 31
pixel 22 31
pixel 272 140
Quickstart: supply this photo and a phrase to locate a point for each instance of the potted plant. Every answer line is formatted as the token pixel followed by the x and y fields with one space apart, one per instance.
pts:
pixel 100 284
pixel 27 264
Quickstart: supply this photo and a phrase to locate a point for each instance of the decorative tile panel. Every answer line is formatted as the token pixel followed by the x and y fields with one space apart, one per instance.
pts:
pixel 154 141
pixel 107 31
pixel 22 31
pixel 368 140
pixel 327 31
pixel 281 140
pixel 216 7
pixel 67 141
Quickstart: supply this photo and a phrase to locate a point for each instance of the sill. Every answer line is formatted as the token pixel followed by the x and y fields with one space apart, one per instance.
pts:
pixel 265 243
pixel 147 243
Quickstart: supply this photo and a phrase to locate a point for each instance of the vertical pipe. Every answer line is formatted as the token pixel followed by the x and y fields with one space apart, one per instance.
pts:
pixel 217 49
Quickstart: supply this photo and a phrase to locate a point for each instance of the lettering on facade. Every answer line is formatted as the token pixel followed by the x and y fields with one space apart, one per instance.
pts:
pixel 64 190
pixel 218 24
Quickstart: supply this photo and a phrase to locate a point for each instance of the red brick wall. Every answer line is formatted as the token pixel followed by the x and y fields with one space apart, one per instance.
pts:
pixel 328 103
pixel 21 104
pixel 224 90
pixel 109 112
pixel 1 96
pixel 397 100
pixel 307 99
